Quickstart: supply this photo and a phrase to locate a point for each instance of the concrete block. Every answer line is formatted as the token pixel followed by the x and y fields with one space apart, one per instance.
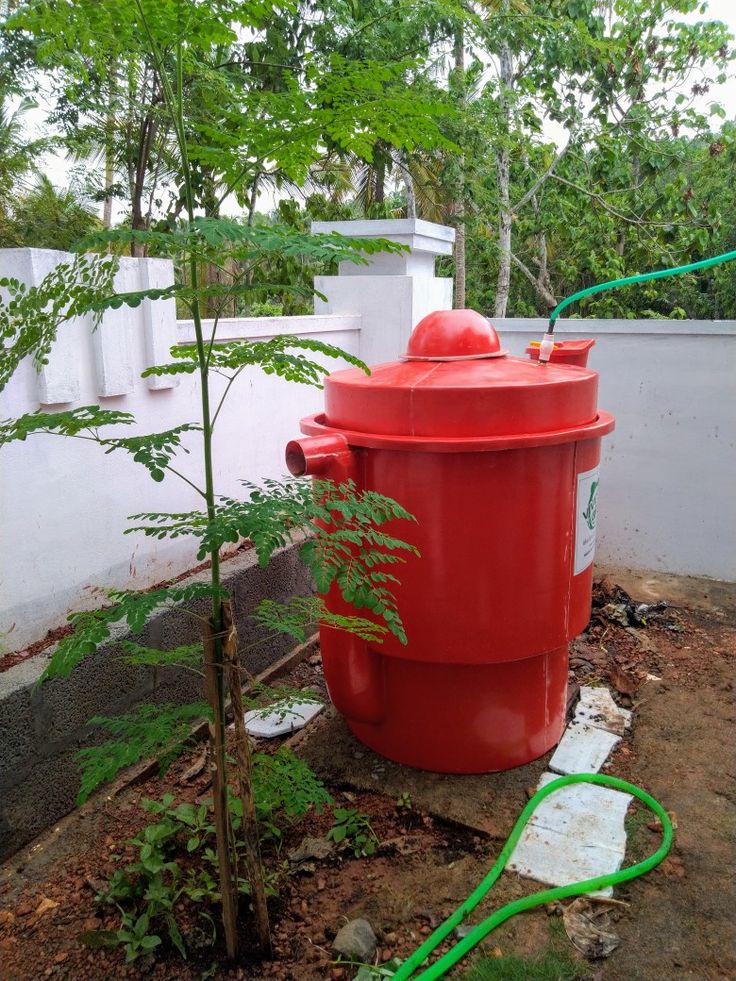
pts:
pixel 584 809
pixel 425 240
pixel 176 686
pixel 47 794
pixel 17 740
pixel 283 577
pixel 100 685
pixel 58 381
pixel 281 718
pixel 582 749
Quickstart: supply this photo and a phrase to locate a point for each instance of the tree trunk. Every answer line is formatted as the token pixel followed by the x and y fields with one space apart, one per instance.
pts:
pixel 503 177
pixel 138 218
pixel 503 280
pixel 544 288
pixel 109 174
pixel 253 199
pixel 223 831
pixel 379 195
pixel 411 199
pixel 109 154
pixel 249 828
pixel 460 264
pixel 542 283
pixel 458 53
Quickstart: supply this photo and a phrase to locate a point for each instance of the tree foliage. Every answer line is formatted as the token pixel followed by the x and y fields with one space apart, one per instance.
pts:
pixel 44 217
pixel 266 94
pixel 160 732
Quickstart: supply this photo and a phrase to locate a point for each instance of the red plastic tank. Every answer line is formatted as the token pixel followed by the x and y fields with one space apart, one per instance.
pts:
pixel 497 458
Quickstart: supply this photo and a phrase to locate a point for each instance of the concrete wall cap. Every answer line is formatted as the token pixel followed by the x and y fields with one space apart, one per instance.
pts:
pixel 419 235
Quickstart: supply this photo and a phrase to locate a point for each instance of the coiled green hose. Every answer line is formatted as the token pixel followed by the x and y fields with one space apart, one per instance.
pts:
pixel 641 278
pixel 440 967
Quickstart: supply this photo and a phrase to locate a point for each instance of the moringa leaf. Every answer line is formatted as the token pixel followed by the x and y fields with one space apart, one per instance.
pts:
pixel 93 627
pixel 186 656
pixel 31 316
pixel 159 731
pixel 343 547
pixel 87 418
pixel 155 450
pixel 207 238
pixel 297 614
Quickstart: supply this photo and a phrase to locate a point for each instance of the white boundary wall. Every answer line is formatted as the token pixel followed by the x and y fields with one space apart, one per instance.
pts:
pixel 668 478
pixel 64 502
pixel 669 468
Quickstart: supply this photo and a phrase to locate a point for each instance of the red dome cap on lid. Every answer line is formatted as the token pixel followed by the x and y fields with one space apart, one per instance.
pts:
pixel 453 335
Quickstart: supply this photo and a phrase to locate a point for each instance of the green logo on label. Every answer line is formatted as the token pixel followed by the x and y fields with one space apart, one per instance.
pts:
pixel 591 512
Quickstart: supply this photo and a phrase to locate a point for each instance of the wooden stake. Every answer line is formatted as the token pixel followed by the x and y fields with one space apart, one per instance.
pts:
pixel 249 827
pixel 223 831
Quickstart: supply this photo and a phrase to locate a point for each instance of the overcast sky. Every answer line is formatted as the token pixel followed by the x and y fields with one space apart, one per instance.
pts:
pixel 58 168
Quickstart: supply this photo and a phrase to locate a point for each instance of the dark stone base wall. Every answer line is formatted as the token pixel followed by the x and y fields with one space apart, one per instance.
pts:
pixel 42 728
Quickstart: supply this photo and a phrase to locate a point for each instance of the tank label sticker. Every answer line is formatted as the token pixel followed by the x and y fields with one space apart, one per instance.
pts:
pixel 586 517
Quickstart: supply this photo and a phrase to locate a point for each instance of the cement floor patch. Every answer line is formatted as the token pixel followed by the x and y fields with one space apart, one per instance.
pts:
pixel 577 833
pixel 489 803
pixel 582 749
pixel 597 708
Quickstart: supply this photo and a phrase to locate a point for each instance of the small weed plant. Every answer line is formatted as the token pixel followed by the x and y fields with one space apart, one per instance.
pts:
pixel 352 829
pixel 549 966
pixel 176 864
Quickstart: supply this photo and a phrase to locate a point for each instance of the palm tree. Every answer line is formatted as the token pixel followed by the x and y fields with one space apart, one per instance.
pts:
pixel 48 218
pixel 18 155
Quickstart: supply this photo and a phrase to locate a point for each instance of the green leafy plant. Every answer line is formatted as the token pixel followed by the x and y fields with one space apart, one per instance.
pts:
pixel 182 43
pixel 161 732
pixel 353 830
pixel 177 858
pixel 31 315
pixel 136 938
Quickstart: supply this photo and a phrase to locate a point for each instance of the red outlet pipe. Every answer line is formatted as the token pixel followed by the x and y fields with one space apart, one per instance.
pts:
pixel 325 455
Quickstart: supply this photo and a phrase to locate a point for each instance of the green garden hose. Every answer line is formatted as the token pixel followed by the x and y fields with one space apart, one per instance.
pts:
pixel 547 343
pixel 440 967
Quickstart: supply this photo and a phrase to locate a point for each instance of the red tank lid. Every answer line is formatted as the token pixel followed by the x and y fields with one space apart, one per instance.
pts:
pixel 453 335
pixel 462 387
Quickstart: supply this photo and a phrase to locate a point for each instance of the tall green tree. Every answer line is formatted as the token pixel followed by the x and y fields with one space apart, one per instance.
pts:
pixel 610 87
pixel 19 155
pixel 262 94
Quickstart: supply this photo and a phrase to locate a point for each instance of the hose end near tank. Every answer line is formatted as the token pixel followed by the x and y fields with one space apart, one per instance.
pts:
pixel 546 346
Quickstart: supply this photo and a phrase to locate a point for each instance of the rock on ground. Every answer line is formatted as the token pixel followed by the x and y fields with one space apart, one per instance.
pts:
pixel 356 941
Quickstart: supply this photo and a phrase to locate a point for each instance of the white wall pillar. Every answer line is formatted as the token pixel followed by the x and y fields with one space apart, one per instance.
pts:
pixel 392 292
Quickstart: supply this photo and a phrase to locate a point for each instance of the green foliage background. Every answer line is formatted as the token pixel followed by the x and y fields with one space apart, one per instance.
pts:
pixel 347 108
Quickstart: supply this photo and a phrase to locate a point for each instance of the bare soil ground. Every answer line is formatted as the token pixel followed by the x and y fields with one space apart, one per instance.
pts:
pixel 675 671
